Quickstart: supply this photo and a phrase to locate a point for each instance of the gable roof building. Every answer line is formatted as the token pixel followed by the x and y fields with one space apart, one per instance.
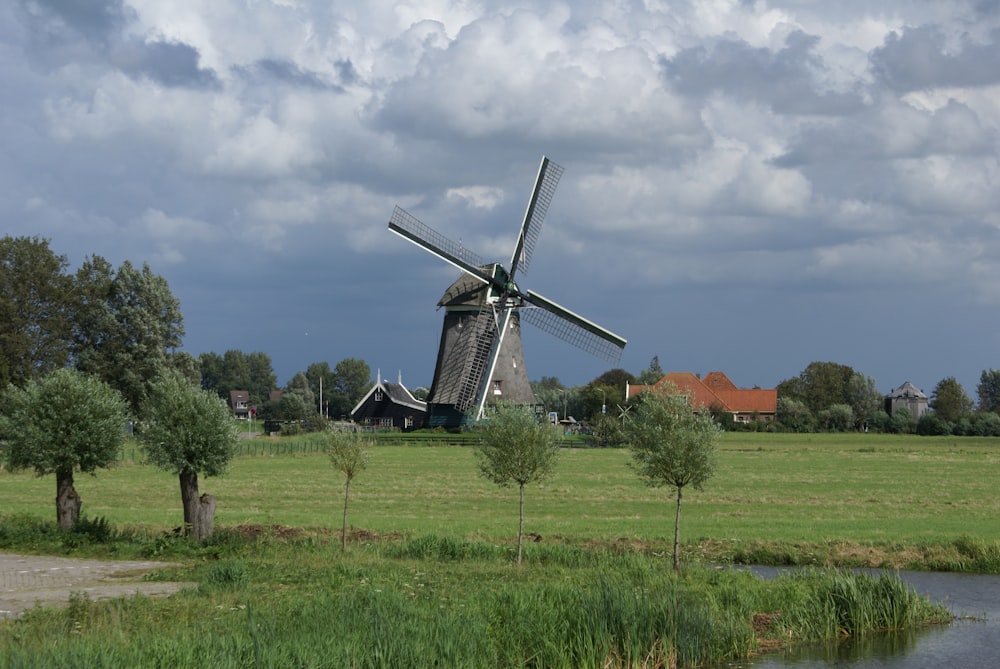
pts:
pixel 390 405
pixel 907 396
pixel 716 392
pixel 239 402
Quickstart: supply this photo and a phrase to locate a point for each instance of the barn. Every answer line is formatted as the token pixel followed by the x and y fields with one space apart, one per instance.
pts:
pixel 390 405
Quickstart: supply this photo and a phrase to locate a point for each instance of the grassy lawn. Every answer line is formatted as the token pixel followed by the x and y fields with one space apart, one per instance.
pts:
pixel 429 574
pixel 901 493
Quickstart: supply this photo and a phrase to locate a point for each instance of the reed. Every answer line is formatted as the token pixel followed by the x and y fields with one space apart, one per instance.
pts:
pixel 269 601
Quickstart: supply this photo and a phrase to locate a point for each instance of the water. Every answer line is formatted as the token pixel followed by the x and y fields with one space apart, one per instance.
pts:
pixel 972 641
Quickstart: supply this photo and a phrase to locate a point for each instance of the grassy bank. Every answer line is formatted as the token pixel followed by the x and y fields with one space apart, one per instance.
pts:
pixel 846 500
pixel 293 599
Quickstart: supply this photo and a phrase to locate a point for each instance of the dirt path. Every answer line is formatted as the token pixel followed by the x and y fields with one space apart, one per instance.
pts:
pixel 30 580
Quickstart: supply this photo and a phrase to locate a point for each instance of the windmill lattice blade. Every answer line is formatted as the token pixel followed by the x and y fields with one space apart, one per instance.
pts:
pixel 572 328
pixel 549 174
pixel 410 227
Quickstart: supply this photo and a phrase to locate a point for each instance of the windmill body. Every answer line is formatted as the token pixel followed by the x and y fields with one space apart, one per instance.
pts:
pixel 480 358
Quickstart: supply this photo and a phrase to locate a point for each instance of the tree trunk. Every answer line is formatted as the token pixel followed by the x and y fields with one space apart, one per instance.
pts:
pixel 189 499
pixel 205 518
pixel 343 529
pixel 67 501
pixel 520 524
pixel 677 533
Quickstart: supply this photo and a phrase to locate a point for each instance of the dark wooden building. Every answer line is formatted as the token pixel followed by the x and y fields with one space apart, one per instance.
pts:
pixel 390 405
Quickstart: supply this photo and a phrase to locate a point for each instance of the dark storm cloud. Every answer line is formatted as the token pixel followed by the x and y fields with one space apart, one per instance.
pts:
pixel 923 58
pixel 170 64
pixel 269 71
pixel 785 80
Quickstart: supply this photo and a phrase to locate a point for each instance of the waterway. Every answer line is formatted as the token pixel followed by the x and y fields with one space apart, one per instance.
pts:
pixel 972 641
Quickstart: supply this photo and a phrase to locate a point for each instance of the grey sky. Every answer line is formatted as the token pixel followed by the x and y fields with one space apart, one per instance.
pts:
pixel 749 186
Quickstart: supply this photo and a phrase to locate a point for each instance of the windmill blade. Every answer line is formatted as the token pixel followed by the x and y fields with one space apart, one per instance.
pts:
pixel 545 187
pixel 409 227
pixel 572 328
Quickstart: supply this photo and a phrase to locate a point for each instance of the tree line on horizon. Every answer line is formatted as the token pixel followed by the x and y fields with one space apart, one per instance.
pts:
pixel 124 326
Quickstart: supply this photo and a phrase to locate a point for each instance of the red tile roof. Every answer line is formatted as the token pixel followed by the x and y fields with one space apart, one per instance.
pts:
pixel 716 390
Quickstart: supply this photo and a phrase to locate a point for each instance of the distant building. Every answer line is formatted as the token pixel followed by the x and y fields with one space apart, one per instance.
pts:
pixel 390 405
pixel 907 396
pixel 717 393
pixel 239 402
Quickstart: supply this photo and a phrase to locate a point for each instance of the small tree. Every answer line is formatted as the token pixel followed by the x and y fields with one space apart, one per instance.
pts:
pixel 672 446
pixel 189 431
pixel 514 447
pixel 61 422
pixel 349 456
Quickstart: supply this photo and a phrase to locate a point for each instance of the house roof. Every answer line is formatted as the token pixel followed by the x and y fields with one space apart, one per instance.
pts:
pixel 907 390
pixel 397 392
pixel 715 390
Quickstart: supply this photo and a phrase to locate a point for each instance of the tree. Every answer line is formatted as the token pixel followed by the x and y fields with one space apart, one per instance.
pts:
pixel 298 387
pixel 989 390
pixel 819 385
pixel 794 415
pixel 236 370
pixel 515 447
pixel 351 380
pixel 188 431
pixel 864 398
pixel 60 422
pixel 672 446
pixel 35 297
pixel 127 327
pixel 349 456
pixel 651 374
pixel 322 383
pixel 949 400
pixel 614 378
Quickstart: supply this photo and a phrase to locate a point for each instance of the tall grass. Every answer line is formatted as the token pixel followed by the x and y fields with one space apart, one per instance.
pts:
pixel 271 602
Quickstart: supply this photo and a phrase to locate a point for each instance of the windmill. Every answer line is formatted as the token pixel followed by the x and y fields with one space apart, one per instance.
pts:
pixel 480 354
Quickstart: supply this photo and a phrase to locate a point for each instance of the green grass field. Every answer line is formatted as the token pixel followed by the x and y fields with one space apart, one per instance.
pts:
pixel 885 493
pixel 429 574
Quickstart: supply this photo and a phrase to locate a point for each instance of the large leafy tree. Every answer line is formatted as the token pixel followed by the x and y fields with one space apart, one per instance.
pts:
pixel 515 448
pixel 819 385
pixel 188 431
pixel 949 401
pixel 128 329
pixel 351 380
pixel 671 446
pixel 236 370
pixel 35 315
pixel 864 398
pixel 321 382
pixel 989 390
pixel 63 422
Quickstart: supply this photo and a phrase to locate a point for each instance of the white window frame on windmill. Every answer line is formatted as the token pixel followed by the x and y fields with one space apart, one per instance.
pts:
pixel 497 386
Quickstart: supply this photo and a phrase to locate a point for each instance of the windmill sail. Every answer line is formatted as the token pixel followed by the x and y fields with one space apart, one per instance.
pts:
pixel 548 177
pixel 480 355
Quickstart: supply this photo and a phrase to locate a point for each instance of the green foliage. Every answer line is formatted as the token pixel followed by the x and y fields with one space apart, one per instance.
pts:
pixel 298 389
pixel 187 429
pixel 819 385
pixel 63 421
pixel 128 324
pixel 794 415
pixel 349 454
pixel 671 444
pixel 949 401
pixel 836 418
pixel 236 370
pixel 931 425
pixel 515 447
pixel 35 311
pixel 988 390
pixel 351 380
pixel 273 603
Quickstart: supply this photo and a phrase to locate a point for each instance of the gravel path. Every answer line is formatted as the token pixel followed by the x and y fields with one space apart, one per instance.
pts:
pixel 27 581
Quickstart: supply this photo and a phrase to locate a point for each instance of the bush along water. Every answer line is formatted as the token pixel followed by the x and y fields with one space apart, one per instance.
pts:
pixel 444 602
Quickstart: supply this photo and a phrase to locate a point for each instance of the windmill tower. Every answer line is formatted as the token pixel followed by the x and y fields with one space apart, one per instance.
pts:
pixel 480 356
